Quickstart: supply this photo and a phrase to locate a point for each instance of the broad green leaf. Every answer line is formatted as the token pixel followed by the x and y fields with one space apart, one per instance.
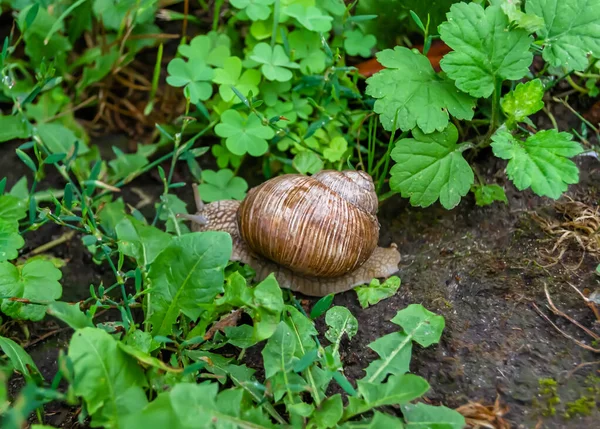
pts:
pixel 278 353
pixel 110 215
pixel 357 43
pixel 410 93
pixel 431 167
pixel 421 324
pixel 485 50
pixel 71 314
pixel 524 100
pixel 21 191
pixel 172 207
pixel 571 31
pixel 109 381
pixel 12 208
pixel 487 194
pixel 222 185
pixel 395 351
pixel 275 64
pixel 255 9
pixel 540 162
pixel 231 75
pixel 145 359
pixel 528 21
pixel 311 17
pixel 126 164
pixel 186 276
pixel 157 414
pixel 20 360
pixel 59 139
pixel 375 291
pixel 336 149
pixel 424 416
pixel 340 321
pixel 36 280
pixel 12 127
pixel 307 162
pixel 194 75
pixel 267 306
pixel 398 390
pixel 244 134
pixel 329 413
pixel 10 240
pixel 140 241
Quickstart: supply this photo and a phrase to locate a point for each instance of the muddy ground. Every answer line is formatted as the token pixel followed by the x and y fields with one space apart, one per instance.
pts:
pixel 481 268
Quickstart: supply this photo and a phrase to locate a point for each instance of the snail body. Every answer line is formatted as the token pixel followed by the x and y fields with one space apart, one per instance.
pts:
pixel 317 234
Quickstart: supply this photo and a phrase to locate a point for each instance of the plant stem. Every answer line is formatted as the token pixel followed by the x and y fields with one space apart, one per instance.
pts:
pixel 275 23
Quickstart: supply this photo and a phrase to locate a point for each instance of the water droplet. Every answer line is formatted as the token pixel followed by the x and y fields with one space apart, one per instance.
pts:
pixel 8 81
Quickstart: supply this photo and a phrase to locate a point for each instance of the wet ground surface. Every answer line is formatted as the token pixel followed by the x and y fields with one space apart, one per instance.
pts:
pixel 481 268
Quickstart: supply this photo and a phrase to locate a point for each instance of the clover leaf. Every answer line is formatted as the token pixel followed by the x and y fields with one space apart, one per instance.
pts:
pixel 311 17
pixel 357 43
pixel 231 75
pixel 306 46
pixel 37 280
pixel 431 166
pixel 255 9
pixel 271 90
pixel 410 91
pixel 10 240
pixel 524 100
pixel 275 63
pixel 485 49
pixel 337 148
pixel 571 31
pixel 540 162
pixel 211 49
pixel 222 185
pixel 302 106
pixel 194 75
pixel 224 157
pixel 244 134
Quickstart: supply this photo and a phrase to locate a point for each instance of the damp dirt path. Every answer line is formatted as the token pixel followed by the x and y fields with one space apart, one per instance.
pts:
pixel 475 266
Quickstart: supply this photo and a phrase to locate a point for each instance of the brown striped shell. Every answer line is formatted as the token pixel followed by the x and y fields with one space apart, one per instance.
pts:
pixel 322 226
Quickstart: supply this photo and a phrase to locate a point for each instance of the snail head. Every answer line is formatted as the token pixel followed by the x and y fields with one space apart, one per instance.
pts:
pixel 198 217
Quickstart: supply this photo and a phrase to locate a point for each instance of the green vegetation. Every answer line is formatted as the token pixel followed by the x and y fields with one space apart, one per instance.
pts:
pixel 269 86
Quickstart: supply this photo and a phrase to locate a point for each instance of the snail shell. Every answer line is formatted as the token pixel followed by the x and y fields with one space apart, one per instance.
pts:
pixel 322 226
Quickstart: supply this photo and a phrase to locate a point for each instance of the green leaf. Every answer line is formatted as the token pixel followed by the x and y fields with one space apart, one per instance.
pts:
pixel 398 390
pixel 329 413
pixel 424 416
pixel 431 166
pixel 357 43
pixel 211 49
pixel 125 165
pixel 421 324
pixel 306 46
pixel 114 12
pixel 140 241
pixel 185 276
pixel 524 100
pixel 528 21
pixel 244 134
pixel 267 305
pixel 71 314
pixel 109 381
pixel 321 306
pixel 487 194
pixel 410 93
pixel 278 353
pixel 231 75
pixel 12 127
pixel 571 31
pixel 336 149
pixel 222 185
pixel 110 215
pixel 59 139
pixel 194 75
pixel 540 162
pixel 275 64
pixel 485 50
pixel 255 9
pixel 10 240
pixel 36 280
pixel 20 360
pixel 340 321
pixel 12 208
pixel 375 291
pixel 311 17
pixel 395 351
pixel 307 162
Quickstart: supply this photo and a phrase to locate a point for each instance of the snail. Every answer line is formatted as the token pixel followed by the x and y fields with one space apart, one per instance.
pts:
pixel 317 234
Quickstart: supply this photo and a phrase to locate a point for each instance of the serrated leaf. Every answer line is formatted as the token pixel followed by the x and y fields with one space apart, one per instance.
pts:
pixel 524 100
pixel 485 49
pixel 540 162
pixel 409 93
pixel 376 291
pixel 431 167
pixel 110 381
pixel 424 416
pixel 424 326
pixel 20 360
pixel 140 241
pixel 488 194
pixel 571 31
pixel 279 351
pixel 185 276
pixel 36 280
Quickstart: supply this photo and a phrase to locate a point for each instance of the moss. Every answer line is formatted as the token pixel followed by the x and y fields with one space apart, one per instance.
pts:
pixel 582 406
pixel 548 391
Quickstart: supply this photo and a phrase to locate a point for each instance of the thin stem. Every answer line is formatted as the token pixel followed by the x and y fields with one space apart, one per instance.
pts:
pixel 275 23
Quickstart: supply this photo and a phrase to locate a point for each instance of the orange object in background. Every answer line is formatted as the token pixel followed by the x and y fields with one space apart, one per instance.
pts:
pixel 436 52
